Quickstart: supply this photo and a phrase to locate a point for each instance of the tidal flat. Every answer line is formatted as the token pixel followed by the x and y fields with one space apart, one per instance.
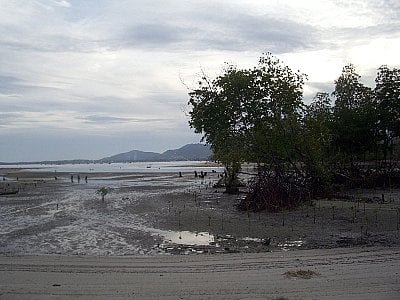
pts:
pixel 156 212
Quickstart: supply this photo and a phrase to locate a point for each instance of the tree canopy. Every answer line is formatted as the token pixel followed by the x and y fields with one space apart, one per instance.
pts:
pixel 258 115
pixel 249 114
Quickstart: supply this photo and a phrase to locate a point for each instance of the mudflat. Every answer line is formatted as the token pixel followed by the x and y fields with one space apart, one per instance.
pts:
pixel 58 239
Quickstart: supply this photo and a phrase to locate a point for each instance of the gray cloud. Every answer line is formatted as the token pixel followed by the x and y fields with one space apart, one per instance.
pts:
pixel 231 31
pixel 7 118
pixel 98 66
pixel 338 36
pixel 11 84
pixel 104 119
pixel 389 10
pixel 276 34
pixel 154 34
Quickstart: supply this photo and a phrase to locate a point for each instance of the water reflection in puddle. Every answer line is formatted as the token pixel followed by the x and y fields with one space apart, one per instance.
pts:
pixel 289 245
pixel 187 242
pixel 189 238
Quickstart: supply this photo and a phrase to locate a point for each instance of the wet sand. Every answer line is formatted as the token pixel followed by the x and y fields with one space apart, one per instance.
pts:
pixel 59 240
pixel 162 213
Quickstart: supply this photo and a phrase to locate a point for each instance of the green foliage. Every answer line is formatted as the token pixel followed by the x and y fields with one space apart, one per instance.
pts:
pixel 387 100
pixel 317 139
pixel 354 117
pixel 258 115
pixel 249 114
pixel 103 191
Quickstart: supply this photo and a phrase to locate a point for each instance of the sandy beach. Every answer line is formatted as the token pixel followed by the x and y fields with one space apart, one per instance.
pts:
pixel 159 235
pixel 351 273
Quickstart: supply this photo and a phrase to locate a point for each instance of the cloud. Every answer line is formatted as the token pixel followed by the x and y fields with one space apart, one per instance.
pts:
pixel 222 29
pixel 7 118
pixel 104 119
pixel 103 68
pixel 154 34
pixel 9 84
pixel 385 11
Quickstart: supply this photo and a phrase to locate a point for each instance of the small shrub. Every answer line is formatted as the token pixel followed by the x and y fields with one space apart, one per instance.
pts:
pixel 103 192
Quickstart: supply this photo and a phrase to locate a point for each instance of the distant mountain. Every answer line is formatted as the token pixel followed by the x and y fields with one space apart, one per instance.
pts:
pixel 134 155
pixel 187 152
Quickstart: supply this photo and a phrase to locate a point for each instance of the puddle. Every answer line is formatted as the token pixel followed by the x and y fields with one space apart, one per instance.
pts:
pixel 250 239
pixel 290 245
pixel 189 238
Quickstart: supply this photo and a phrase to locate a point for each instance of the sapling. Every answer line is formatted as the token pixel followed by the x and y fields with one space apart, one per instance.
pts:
pixel 314 214
pixel 103 192
pixel 333 212
pixel 353 214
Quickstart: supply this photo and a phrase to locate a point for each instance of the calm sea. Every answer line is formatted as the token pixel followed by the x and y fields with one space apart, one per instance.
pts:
pixel 138 167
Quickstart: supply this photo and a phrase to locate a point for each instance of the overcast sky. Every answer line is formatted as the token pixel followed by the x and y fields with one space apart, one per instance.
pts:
pixel 88 79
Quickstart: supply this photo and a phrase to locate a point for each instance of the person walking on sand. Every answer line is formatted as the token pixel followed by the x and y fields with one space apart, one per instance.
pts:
pixel 79 178
pixel 86 179
pixel 72 178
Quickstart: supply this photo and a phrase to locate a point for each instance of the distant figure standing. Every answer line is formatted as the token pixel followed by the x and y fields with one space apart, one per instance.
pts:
pixel 195 174
pixel 72 178
pixel 79 178
pixel 180 174
pixel 86 179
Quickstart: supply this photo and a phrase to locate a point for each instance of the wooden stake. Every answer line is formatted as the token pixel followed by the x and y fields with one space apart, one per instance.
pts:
pixel 314 214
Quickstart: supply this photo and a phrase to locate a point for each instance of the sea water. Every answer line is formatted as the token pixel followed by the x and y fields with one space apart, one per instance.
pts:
pixel 135 167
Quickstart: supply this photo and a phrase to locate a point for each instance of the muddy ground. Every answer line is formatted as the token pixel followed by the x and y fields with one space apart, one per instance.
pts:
pixel 162 213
